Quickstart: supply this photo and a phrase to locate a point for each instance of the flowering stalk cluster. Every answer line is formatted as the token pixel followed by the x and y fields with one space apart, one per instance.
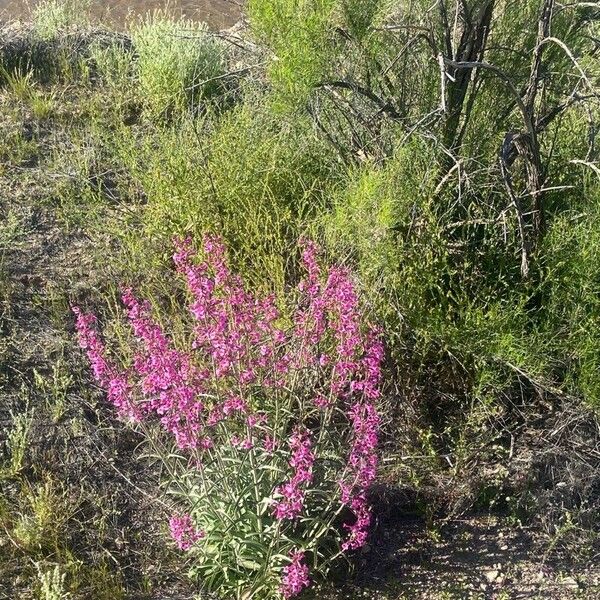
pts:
pixel 184 532
pixel 170 383
pixel 293 492
pixel 295 576
pixel 234 328
pixel 249 378
pixel 106 374
pixel 355 377
pixel 362 462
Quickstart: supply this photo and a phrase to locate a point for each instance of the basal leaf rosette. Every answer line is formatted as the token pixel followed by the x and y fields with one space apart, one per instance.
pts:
pixel 271 409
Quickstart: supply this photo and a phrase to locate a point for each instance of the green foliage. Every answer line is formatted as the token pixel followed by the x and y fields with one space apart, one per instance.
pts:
pixel 54 387
pixel 245 549
pixel 40 523
pixel 21 85
pixel 50 17
pixel 238 175
pixel 17 440
pixel 386 223
pixel 114 64
pixel 297 33
pixel 310 41
pixel 178 62
pixel 568 294
pixel 52 584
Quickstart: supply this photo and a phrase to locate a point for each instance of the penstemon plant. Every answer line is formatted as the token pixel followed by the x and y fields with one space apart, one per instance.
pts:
pixel 272 417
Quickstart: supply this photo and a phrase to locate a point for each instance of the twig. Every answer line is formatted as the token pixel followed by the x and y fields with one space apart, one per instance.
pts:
pixel 447 176
pixel 443 76
pixel 592 166
pixel 518 211
pixel 241 71
pixel 568 52
pixel 385 106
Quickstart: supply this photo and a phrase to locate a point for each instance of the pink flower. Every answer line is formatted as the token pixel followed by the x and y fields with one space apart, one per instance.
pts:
pixel 106 374
pixel 295 576
pixel 363 460
pixel 321 401
pixel 256 419
pixel 247 376
pixel 324 360
pixel 270 444
pixel 293 492
pixel 206 443
pixel 184 532
pixel 170 383
pixel 234 328
pixel 241 444
pixel 234 404
pixel 359 530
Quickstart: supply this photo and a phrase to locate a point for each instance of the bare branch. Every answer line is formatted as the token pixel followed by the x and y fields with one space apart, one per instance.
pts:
pixel 504 77
pixel 385 106
pixel 518 210
pixel 568 52
pixel 592 166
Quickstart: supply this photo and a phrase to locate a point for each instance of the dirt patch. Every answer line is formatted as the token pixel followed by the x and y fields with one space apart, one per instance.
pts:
pixel 483 557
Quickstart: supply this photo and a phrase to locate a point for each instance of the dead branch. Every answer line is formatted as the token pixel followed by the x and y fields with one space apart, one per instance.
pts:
pixel 505 79
pixel 592 166
pixel 516 205
pixel 384 105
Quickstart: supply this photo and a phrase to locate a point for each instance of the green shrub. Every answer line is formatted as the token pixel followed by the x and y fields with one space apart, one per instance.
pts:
pixel 254 178
pixel 316 41
pixel 114 64
pixel 178 61
pixel 296 32
pixel 569 304
pixel 52 584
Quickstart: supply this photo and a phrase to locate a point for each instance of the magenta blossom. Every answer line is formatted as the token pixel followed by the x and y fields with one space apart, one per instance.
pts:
pixel 106 374
pixel 184 532
pixel 294 491
pixel 295 576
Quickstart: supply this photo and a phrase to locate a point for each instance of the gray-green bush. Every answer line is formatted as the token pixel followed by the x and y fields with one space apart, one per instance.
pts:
pixel 179 63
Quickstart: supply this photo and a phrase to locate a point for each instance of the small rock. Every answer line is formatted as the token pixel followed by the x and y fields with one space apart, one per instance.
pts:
pixel 570 582
pixel 491 576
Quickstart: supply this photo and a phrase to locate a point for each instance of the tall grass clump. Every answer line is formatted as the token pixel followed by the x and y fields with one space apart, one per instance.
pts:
pixel 239 172
pixel 52 17
pixel 272 413
pixel 178 63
